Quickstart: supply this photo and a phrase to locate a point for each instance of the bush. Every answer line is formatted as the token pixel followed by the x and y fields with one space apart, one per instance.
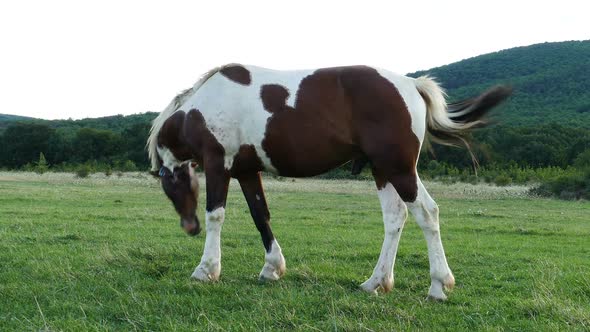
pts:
pixel 502 180
pixel 83 171
pixel 570 187
pixel 41 166
pixel 28 167
pixel 126 166
pixel 582 161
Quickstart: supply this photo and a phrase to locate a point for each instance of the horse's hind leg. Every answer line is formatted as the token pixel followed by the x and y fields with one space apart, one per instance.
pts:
pixel 217 185
pixel 274 266
pixel 394 218
pixel 425 211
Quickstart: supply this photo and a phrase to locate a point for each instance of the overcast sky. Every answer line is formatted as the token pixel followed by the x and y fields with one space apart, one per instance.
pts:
pixel 62 59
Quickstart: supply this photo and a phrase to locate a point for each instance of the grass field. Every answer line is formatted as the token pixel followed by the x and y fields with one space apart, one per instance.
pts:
pixel 108 254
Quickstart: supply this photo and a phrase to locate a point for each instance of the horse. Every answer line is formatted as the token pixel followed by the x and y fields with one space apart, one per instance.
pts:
pixel 239 120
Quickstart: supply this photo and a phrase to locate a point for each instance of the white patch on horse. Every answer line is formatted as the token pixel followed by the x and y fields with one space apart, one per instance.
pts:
pixel 168 159
pixel 210 266
pixel 241 119
pixel 228 162
pixel 395 213
pixel 274 266
pixel 414 102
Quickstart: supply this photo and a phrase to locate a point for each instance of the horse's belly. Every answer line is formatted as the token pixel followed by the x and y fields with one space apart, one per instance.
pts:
pixel 308 154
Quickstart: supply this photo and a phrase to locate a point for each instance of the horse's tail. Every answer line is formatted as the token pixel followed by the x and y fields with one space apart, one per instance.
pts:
pixel 449 124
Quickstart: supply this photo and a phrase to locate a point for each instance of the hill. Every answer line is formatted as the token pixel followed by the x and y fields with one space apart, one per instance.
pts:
pixel 551 82
pixel 7 119
pixel 116 123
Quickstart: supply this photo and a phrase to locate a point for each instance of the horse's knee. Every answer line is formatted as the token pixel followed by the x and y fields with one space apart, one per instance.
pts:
pixel 432 209
pixel 406 186
pixel 426 215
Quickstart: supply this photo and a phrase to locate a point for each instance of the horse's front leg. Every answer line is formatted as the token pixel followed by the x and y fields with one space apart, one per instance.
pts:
pixel 217 178
pixel 274 266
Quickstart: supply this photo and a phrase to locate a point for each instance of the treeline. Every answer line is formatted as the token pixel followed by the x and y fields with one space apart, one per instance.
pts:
pixel 503 146
pixel 66 148
pixel 498 147
pixel 555 155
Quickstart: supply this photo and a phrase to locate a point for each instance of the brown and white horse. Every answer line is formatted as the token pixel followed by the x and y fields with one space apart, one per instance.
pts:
pixel 238 120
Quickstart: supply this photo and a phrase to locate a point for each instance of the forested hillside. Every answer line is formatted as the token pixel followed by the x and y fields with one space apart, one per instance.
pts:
pixel 8 119
pixel 551 82
pixel 114 141
pixel 544 124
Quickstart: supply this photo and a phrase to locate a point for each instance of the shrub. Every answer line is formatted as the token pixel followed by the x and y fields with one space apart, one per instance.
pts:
pixel 570 186
pixel 502 180
pixel 83 171
pixel 28 167
pixel 128 166
pixel 582 161
pixel 41 166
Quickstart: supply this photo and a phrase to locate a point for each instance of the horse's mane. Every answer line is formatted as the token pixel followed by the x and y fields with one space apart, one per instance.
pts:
pixel 152 142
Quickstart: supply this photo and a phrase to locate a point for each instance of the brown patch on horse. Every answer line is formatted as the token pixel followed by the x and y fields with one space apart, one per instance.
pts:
pixel 315 135
pixel 171 136
pixel 237 73
pixel 341 114
pixel 274 98
pixel 384 127
pixel 246 162
pixel 200 139
pixel 209 153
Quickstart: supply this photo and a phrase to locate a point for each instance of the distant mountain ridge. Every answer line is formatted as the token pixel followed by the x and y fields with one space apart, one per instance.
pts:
pixel 7 119
pixel 115 123
pixel 12 118
pixel 551 82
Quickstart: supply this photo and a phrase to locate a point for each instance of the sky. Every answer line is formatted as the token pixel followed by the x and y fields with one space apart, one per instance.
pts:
pixel 76 59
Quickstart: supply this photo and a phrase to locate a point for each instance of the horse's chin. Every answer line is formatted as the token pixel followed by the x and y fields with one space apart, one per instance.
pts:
pixel 192 227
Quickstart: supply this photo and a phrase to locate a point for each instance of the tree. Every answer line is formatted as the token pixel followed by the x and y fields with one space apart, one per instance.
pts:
pixel 96 144
pixel 22 143
pixel 41 166
pixel 135 138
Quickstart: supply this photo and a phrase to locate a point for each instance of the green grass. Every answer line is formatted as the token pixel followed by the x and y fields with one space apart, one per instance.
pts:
pixel 108 254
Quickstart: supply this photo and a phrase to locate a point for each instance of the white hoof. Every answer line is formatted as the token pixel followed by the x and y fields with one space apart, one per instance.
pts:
pixel 271 272
pixel 385 284
pixel 437 287
pixel 207 272
pixel 275 267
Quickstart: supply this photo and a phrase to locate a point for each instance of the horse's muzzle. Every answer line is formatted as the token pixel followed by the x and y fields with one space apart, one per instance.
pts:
pixel 192 228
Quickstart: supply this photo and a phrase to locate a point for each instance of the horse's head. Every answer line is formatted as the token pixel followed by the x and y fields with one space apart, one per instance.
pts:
pixel 182 188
